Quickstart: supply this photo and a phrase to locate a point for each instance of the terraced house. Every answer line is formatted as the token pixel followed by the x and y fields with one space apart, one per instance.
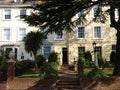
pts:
pixel 67 45
pixel 12 27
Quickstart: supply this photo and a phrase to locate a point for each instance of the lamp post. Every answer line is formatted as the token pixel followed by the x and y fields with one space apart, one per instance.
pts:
pixel 95 53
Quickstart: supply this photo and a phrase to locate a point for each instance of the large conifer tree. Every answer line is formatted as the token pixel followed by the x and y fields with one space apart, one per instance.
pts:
pixel 55 14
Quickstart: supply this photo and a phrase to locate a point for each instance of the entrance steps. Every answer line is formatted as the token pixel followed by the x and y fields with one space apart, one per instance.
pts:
pixel 67 84
pixel 67 80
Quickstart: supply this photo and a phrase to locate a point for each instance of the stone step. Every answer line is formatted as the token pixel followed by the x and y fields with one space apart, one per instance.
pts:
pixel 68 84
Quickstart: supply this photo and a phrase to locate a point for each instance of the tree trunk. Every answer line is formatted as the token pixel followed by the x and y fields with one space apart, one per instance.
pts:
pixel 116 71
pixel 36 66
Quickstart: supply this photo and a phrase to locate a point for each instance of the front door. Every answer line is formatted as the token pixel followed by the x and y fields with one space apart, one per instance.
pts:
pixel 64 56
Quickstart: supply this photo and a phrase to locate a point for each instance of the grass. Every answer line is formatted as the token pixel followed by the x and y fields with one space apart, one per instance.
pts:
pixel 108 71
pixel 29 74
pixel 34 74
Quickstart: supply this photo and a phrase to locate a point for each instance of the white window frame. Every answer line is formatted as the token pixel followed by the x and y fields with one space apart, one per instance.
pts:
pixel 81 13
pixel 3 34
pixel 81 49
pixel 18 1
pixel 19 37
pixel 57 37
pixel 19 14
pixel 84 33
pixel 101 36
pixel 44 30
pixel 116 13
pixel 93 11
pixel 4 13
pixel 43 50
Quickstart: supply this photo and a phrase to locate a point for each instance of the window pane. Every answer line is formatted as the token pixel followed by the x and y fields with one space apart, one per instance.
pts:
pixel 99 50
pixel 81 32
pixel 113 47
pixel 81 14
pixel 47 51
pixel 97 32
pixel 22 13
pixel 97 11
pixel 6 34
pixel 7 14
pixel 22 33
pixel 59 35
pixel 81 50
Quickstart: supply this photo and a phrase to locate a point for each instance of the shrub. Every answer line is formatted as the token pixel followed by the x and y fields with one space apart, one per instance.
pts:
pixel 108 64
pixel 81 62
pixel 96 73
pixel 88 56
pixel 101 61
pixel 23 65
pixel 89 64
pixel 53 57
pixel 49 70
pixel 40 60
pixel 112 57
pixel 3 71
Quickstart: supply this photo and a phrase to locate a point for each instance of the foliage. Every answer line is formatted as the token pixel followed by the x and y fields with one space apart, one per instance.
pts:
pixel 53 57
pixel 40 60
pixel 96 73
pixel 33 42
pixel 108 64
pixel 112 57
pixel 89 64
pixel 59 13
pixel 101 61
pixel 81 60
pixel 81 63
pixel 4 55
pixel 54 14
pixel 88 56
pixel 49 70
pixel 22 66
pixel 3 71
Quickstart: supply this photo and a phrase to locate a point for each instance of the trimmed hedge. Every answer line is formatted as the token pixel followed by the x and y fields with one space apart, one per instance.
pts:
pixel 23 65
pixel 3 71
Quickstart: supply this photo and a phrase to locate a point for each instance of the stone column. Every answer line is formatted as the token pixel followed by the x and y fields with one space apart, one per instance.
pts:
pixel 10 69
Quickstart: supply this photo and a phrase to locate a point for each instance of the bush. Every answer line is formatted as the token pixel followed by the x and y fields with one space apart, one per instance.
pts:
pixel 108 64
pixel 3 71
pixel 53 57
pixel 101 62
pixel 23 65
pixel 40 60
pixel 112 57
pixel 49 70
pixel 96 73
pixel 81 60
pixel 89 64
pixel 88 56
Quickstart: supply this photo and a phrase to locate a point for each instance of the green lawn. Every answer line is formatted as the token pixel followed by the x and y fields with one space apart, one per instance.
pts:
pixel 34 74
pixel 108 71
pixel 28 74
